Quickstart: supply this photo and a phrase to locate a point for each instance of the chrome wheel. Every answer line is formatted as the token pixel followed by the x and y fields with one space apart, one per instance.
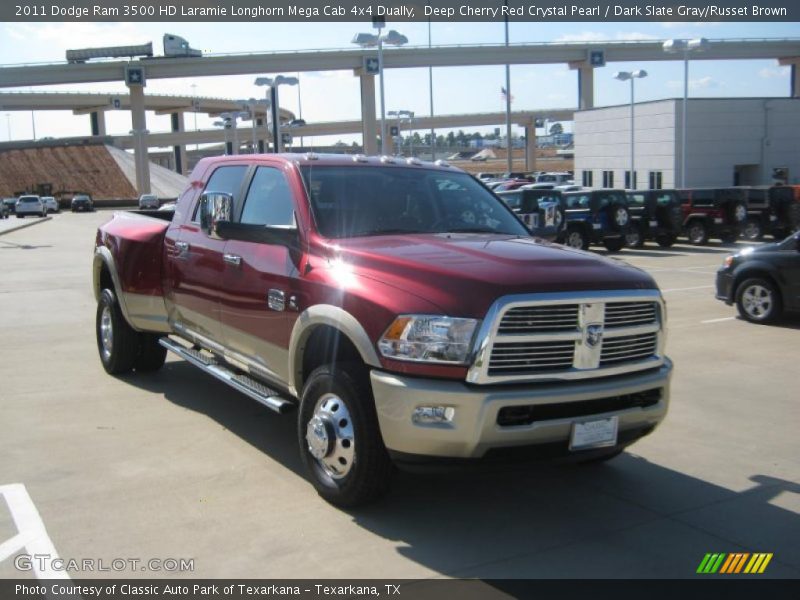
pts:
pixel 633 239
pixel 330 436
pixel 575 240
pixel 697 233
pixel 757 302
pixel 752 231
pixel 106 332
pixel 621 217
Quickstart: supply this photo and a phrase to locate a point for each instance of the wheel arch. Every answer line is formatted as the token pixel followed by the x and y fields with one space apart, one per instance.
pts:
pixel 326 320
pixel 104 275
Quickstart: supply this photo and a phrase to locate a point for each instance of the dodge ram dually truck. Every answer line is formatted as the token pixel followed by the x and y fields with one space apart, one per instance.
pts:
pixel 400 306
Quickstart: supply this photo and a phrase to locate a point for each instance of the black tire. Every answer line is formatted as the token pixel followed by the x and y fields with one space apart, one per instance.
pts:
pixel 118 352
pixel 151 354
pixel 576 238
pixel 614 244
pixel 758 300
pixel 350 430
pixel 666 240
pixel 19 216
pixel 697 232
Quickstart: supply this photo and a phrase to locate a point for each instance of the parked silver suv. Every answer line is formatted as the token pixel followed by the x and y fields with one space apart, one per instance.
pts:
pixel 148 201
pixel 30 205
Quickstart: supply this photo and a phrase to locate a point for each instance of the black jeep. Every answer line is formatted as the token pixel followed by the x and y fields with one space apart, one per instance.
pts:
pixel 769 210
pixel 713 213
pixel 596 217
pixel 541 210
pixel 655 215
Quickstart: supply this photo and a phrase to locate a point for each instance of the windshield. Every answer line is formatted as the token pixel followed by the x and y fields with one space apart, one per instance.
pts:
pixel 360 200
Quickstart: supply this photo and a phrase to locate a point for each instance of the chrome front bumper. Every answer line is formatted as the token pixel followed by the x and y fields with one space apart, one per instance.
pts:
pixel 474 429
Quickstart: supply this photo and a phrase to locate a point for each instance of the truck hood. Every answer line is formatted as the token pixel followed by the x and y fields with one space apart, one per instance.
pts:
pixel 464 274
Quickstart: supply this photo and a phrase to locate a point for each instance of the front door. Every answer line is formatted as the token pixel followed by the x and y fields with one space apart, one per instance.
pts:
pixel 259 278
pixel 195 264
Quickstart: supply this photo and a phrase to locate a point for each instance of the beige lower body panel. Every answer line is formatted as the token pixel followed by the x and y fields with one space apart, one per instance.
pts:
pixel 474 428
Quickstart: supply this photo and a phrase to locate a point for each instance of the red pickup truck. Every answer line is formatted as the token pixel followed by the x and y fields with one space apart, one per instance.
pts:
pixel 399 305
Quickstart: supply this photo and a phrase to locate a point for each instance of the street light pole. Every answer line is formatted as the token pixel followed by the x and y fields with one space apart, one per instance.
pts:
pixel 510 161
pixel 430 88
pixel 194 106
pixel 686 47
pixel 272 84
pixel 625 76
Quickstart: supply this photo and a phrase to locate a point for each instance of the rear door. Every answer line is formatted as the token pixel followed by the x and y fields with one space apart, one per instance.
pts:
pixel 195 264
pixel 259 279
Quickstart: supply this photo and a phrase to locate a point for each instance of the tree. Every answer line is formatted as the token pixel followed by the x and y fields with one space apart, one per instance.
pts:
pixel 556 129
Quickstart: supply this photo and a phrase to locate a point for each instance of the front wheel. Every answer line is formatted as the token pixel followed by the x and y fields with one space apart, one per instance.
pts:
pixel 614 244
pixel 634 238
pixel 758 301
pixel 577 239
pixel 666 240
pixel 697 232
pixel 117 342
pixel 340 441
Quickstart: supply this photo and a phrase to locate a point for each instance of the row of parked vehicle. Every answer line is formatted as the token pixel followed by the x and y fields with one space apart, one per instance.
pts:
pixel 616 218
pixel 41 206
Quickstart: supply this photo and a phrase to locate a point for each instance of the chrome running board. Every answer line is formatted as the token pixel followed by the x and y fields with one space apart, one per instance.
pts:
pixel 238 381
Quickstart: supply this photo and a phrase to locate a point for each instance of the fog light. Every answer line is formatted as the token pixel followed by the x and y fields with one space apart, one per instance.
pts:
pixel 433 414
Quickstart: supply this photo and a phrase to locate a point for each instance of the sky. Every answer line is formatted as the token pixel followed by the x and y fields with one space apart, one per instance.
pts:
pixel 332 96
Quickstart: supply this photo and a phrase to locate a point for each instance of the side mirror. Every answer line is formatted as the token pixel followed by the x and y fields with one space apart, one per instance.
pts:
pixel 215 208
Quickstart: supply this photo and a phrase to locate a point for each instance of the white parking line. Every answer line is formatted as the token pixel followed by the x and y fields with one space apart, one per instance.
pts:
pixel 697 287
pixel 718 320
pixel 32 534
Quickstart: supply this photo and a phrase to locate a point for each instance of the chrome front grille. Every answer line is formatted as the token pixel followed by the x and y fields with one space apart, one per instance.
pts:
pixel 532 319
pixel 529 357
pixel 559 336
pixel 628 348
pixel 625 314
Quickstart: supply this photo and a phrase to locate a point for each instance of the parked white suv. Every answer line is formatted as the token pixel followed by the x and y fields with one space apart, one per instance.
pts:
pixel 50 204
pixel 30 205
pixel 148 201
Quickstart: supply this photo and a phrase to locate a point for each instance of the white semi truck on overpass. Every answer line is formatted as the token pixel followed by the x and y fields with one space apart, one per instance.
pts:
pixel 174 46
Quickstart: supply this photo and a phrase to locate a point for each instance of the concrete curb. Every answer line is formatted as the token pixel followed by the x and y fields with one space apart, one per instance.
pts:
pixel 24 225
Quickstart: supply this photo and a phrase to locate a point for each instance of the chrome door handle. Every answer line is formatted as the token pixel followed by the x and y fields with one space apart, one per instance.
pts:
pixel 232 259
pixel 182 248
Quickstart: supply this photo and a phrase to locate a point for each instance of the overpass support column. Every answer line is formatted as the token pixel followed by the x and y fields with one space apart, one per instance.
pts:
pixel 368 118
pixel 179 152
pixel 794 77
pixel 530 146
pixel 585 84
pixel 98 122
pixel 139 122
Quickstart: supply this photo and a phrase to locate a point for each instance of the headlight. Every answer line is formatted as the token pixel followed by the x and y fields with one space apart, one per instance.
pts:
pixel 424 338
pixel 728 261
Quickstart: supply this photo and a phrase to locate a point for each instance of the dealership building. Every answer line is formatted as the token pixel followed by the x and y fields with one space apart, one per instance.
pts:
pixel 729 141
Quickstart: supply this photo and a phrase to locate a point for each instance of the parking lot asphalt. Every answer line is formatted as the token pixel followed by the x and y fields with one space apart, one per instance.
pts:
pixel 176 465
